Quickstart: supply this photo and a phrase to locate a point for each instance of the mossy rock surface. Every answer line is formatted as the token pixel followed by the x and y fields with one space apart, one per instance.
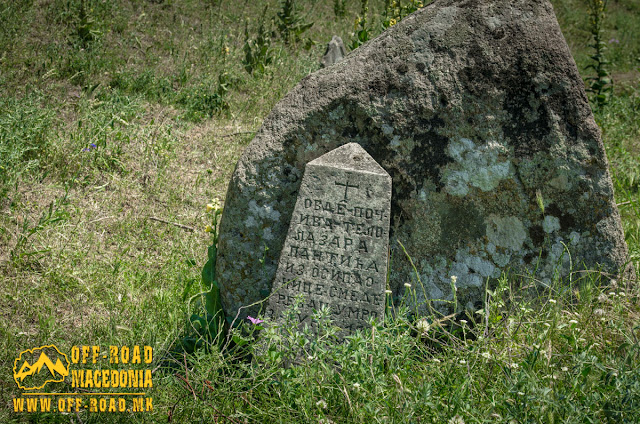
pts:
pixel 477 111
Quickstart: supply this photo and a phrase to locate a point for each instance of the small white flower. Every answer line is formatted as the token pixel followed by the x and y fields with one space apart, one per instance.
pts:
pixel 622 294
pixel 456 419
pixel 454 279
pixel 407 285
pixel 573 321
pixel 515 366
pixel 602 298
pixel 119 297
pixel 599 312
pixel 552 301
pixel 356 385
pixel 486 355
pixel 521 393
pixel 310 358
pixel 463 321
pixel 423 326
pixel 612 293
pixel 564 369
pixel 436 360
pixel 547 324
pixel 388 292
pixel 322 404
pixel 462 362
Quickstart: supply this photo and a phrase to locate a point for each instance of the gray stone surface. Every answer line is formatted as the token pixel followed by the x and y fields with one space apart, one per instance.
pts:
pixel 336 250
pixel 472 107
pixel 335 52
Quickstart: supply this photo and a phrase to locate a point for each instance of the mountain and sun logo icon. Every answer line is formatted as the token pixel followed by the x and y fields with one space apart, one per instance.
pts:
pixel 38 366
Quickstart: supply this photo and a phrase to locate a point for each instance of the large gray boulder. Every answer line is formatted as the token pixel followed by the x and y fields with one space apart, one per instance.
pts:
pixel 477 111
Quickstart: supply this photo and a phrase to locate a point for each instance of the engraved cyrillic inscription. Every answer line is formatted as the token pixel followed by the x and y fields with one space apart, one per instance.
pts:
pixel 336 250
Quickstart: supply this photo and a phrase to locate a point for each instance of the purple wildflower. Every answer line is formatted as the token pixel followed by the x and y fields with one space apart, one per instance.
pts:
pixel 254 320
pixel 614 40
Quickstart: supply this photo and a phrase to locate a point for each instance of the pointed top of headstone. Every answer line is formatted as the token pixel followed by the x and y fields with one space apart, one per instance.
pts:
pixel 352 157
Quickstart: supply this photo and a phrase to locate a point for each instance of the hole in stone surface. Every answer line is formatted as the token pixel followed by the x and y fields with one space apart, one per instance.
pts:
pixel 356 158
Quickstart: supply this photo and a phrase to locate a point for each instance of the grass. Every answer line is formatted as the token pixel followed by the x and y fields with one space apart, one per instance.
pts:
pixel 131 111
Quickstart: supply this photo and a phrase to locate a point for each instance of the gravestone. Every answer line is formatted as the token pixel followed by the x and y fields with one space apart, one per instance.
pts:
pixel 336 249
pixel 335 52
pixel 478 113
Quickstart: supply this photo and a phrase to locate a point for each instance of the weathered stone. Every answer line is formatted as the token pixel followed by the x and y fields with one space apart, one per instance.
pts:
pixel 335 253
pixel 335 52
pixel 476 110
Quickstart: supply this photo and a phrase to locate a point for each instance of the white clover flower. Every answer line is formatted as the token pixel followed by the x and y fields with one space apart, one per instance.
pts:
pixel 456 419
pixel 423 326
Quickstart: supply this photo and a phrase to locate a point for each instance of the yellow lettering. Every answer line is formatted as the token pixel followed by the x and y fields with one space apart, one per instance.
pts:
pixel 113 354
pixel 88 379
pixel 77 378
pixel 75 354
pixel 105 378
pixel 96 378
pixel 124 354
pixel 148 354
pixel 45 404
pixel 114 378
pixel 18 404
pixel 147 379
pixel 96 353
pixel 135 357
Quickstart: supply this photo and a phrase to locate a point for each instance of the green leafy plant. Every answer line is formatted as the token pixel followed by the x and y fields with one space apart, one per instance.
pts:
pixel 201 102
pixel 258 53
pixel 340 8
pixel 86 30
pixel 291 24
pixel 362 32
pixel 396 10
pixel 600 85
pixel 208 328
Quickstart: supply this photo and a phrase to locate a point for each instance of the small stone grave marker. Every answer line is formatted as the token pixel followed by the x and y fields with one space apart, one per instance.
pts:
pixel 336 249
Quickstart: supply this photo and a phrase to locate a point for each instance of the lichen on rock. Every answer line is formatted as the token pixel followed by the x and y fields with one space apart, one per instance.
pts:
pixel 477 111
